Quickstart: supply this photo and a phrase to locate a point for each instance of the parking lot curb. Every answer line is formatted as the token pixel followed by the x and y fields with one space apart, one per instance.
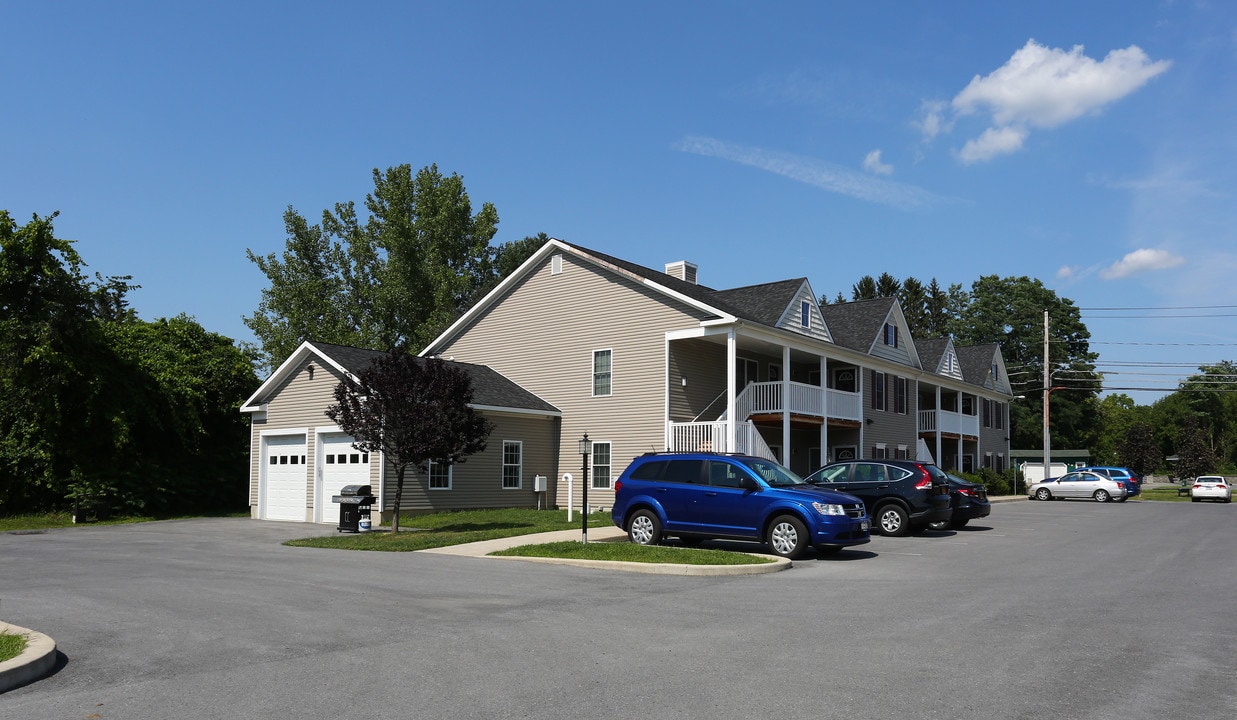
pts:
pixel 603 534
pixel 36 660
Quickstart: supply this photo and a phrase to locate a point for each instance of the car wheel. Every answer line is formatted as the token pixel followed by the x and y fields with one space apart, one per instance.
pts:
pixel 1043 494
pixel 1102 496
pixel 1193 499
pixel 644 528
pixel 939 526
pixel 892 521
pixel 787 536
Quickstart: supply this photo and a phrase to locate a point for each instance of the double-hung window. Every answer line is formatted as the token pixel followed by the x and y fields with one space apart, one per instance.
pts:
pixel 513 461
pixel 899 395
pixel 439 474
pixel 601 465
pixel 878 390
pixel 602 372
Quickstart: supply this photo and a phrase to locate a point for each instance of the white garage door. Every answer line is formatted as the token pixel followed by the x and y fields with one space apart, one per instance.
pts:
pixel 285 478
pixel 342 465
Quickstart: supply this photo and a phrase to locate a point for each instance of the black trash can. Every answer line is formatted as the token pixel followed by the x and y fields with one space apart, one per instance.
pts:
pixel 355 504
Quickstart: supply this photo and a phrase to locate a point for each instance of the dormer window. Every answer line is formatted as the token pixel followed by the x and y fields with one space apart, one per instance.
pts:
pixel 891 335
pixel 805 314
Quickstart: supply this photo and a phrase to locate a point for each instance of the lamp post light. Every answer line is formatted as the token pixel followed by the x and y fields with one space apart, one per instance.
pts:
pixel 586 447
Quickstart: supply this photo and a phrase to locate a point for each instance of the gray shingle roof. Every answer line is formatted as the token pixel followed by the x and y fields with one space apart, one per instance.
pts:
pixel 856 325
pixel 489 387
pixel 976 361
pixel 763 303
pixel 930 352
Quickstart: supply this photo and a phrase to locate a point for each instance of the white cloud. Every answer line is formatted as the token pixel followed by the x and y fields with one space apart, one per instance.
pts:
pixel 933 122
pixel 872 163
pixel 994 141
pixel 817 173
pixel 1143 260
pixel 1065 272
pixel 1041 87
pixel 1046 87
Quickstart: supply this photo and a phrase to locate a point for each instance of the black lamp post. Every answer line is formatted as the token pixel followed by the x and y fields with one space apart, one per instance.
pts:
pixel 586 447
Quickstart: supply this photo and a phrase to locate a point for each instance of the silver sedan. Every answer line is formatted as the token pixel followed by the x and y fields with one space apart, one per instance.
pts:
pixel 1080 484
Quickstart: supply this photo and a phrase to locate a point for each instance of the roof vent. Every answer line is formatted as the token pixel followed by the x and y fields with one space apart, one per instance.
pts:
pixel 682 270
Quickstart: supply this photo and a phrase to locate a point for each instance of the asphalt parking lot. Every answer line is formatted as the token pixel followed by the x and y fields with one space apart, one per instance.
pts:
pixel 1062 609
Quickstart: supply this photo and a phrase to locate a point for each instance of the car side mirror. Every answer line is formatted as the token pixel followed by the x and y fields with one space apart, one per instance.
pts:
pixel 748 484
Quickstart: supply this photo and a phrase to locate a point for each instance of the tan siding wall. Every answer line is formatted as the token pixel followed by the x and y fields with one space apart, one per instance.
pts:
pixel 703 365
pixel 300 403
pixel 477 482
pixel 542 336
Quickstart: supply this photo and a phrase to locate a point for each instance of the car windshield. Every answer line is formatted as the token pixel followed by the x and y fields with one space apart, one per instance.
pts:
pixel 772 473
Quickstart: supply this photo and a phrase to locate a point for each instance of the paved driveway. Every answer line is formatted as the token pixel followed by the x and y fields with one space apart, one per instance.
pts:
pixel 1043 610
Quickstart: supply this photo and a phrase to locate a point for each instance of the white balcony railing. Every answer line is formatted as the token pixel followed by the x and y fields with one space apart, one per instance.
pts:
pixel 798 398
pixel 948 422
pixel 711 437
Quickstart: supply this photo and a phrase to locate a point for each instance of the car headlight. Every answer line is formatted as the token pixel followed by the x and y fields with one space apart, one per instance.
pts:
pixel 827 509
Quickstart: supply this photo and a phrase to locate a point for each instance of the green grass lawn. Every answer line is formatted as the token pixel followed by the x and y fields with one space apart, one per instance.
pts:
pixel 421 532
pixel 1162 493
pixel 44 521
pixel 11 645
pixel 630 552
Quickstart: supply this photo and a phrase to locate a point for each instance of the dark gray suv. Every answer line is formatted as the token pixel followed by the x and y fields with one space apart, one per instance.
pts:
pixel 900 495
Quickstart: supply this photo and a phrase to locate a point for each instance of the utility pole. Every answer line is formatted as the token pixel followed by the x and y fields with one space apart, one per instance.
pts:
pixel 1047 392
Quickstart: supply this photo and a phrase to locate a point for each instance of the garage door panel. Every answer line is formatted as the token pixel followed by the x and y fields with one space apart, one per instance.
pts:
pixel 284 495
pixel 342 465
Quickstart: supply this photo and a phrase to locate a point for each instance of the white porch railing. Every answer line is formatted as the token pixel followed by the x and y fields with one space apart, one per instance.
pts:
pixel 711 437
pixel 948 422
pixel 801 399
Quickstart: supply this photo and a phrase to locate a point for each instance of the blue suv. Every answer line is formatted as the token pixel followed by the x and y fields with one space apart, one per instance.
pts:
pixel 697 496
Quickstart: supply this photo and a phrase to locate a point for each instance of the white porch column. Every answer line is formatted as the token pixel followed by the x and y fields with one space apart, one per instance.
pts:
pixel 939 462
pixel 824 426
pixel 786 406
pixel 732 371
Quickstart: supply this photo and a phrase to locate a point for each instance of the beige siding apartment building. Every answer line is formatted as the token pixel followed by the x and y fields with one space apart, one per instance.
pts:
pixel 577 342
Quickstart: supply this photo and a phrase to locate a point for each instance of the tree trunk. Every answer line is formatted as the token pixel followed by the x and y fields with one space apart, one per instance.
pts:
pixel 399 495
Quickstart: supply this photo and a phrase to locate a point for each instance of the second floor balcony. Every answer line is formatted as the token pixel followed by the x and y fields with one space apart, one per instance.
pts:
pixel 948 422
pixel 760 398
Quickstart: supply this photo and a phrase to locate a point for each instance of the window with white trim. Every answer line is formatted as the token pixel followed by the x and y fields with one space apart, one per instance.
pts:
pixel 601 465
pixel 603 372
pixel 513 462
pixel 439 475
pixel 879 452
pixel 891 335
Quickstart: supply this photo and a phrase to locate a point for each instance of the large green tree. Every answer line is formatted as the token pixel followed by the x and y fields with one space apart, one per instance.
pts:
pixel 101 404
pixel 50 348
pixel 395 278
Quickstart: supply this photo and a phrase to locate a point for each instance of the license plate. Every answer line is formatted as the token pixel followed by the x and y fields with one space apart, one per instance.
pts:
pixel 864 525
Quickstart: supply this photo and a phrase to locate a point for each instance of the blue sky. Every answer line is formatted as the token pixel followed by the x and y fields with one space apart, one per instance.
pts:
pixel 1089 147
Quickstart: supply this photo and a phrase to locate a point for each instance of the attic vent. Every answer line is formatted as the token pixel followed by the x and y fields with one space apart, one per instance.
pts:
pixel 682 270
